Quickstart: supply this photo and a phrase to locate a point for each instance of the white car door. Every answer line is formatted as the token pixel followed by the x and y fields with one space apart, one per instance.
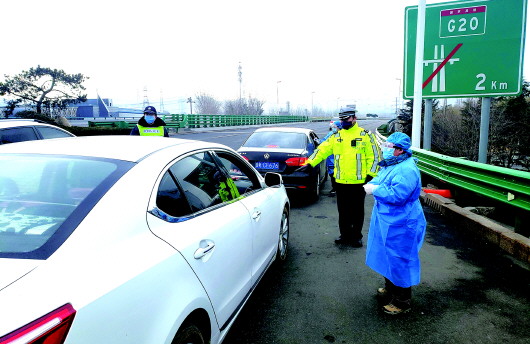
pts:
pixel 215 237
pixel 265 209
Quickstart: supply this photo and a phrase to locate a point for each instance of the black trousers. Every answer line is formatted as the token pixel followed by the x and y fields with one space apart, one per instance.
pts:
pixel 401 297
pixel 350 204
pixel 333 182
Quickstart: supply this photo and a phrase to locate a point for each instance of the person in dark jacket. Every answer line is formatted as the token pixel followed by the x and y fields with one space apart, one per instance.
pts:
pixel 150 124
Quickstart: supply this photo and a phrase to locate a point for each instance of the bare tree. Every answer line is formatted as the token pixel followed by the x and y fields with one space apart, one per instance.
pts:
pixel 207 105
pixel 244 106
pixel 509 138
pixel 255 106
pixel 449 134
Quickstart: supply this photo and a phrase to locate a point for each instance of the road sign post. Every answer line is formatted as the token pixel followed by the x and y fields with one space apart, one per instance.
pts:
pixel 472 48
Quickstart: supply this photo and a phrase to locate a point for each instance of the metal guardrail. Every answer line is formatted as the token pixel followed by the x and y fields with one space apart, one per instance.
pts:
pixel 205 121
pixel 499 183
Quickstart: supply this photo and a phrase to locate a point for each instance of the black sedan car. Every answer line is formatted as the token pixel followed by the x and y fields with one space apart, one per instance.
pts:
pixel 283 150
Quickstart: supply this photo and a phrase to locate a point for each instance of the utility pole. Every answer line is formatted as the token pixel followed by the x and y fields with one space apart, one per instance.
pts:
pixel 146 101
pixel 191 105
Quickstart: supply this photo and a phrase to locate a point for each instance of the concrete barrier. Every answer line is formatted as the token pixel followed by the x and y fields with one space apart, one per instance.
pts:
pixel 493 232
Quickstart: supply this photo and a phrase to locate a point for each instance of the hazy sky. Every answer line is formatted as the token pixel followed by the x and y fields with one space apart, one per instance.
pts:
pixel 331 53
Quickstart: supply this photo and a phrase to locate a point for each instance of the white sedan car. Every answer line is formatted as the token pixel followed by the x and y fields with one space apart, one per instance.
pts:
pixel 130 239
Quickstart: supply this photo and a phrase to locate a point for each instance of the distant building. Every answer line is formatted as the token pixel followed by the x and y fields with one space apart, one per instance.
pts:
pixel 102 107
pixel 99 107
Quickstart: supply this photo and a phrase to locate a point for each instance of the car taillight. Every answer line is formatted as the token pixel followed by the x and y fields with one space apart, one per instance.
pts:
pixel 300 161
pixel 49 329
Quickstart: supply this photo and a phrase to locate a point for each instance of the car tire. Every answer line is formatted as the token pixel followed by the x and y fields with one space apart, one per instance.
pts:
pixel 315 188
pixel 283 240
pixel 189 334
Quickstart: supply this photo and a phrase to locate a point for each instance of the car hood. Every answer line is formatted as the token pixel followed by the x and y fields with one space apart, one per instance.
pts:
pixel 14 269
pixel 272 150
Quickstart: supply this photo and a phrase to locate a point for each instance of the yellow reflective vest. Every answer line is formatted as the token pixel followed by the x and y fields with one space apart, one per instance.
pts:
pixel 150 131
pixel 228 190
pixel 356 153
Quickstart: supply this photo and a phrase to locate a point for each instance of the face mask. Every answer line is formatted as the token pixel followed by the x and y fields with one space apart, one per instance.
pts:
pixel 388 152
pixel 149 119
pixel 346 125
pixel 334 130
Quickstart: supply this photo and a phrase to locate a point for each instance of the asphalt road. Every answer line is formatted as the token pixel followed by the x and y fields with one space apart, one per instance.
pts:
pixel 470 292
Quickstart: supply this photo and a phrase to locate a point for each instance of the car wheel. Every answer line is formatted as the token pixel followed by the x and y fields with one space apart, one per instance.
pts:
pixel 315 188
pixel 188 334
pixel 283 241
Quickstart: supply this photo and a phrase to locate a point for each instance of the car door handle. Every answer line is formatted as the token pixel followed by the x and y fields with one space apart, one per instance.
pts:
pixel 256 214
pixel 202 251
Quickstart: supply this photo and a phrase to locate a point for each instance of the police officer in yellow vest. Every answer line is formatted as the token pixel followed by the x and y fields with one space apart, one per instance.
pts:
pixel 150 124
pixel 356 153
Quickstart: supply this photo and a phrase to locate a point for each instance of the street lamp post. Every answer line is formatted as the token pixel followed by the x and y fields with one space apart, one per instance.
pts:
pixel 312 107
pixel 399 92
pixel 278 95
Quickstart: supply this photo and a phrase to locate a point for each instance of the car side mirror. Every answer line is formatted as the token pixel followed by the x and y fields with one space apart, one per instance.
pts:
pixel 273 179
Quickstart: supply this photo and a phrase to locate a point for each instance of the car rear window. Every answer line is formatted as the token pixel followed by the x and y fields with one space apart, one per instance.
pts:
pixel 42 198
pixel 52 133
pixel 19 134
pixel 276 139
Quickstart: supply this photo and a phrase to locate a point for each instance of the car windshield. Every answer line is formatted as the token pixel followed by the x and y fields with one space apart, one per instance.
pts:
pixel 40 195
pixel 276 139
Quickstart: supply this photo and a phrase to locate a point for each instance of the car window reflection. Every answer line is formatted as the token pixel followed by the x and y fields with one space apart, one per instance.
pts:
pixel 275 139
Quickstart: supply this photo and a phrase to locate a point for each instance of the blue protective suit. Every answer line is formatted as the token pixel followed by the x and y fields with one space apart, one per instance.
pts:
pixel 397 227
pixel 330 160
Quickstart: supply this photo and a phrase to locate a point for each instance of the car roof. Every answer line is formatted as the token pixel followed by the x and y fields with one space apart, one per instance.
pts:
pixel 9 123
pixel 121 147
pixel 285 130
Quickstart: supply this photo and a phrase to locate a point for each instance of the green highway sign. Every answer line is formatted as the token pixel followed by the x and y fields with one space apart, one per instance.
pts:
pixel 472 48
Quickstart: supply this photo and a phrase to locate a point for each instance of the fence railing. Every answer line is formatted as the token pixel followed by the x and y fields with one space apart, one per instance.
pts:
pixel 206 121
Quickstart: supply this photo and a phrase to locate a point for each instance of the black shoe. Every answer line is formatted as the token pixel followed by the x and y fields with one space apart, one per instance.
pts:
pixel 352 243
pixel 339 240
pixel 357 243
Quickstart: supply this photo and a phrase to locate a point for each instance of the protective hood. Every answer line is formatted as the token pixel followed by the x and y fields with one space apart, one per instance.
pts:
pixel 401 140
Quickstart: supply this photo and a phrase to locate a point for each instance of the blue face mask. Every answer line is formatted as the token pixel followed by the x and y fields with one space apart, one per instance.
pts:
pixel 388 152
pixel 150 119
pixel 346 125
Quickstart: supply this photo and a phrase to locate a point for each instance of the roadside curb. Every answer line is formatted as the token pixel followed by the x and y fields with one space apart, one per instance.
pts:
pixel 506 239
